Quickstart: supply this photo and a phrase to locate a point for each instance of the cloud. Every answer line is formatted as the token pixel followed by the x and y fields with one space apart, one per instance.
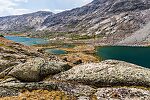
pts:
pixel 58 10
pixel 9 7
pixel 17 7
pixel 21 1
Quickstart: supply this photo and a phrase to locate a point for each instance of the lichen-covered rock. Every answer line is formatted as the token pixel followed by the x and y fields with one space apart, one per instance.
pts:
pixel 122 93
pixel 51 68
pixel 36 69
pixel 29 71
pixel 8 92
pixel 69 88
pixel 108 73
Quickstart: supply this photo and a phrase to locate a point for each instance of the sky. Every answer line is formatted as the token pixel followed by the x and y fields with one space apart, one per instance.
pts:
pixel 18 7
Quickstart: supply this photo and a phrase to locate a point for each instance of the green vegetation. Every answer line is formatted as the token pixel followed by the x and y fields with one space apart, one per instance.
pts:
pixel 1 35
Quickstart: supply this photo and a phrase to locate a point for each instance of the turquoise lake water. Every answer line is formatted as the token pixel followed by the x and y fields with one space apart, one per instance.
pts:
pixel 135 55
pixel 26 40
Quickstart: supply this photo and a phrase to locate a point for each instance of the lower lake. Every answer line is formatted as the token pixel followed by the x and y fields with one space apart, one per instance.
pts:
pixel 26 40
pixel 135 55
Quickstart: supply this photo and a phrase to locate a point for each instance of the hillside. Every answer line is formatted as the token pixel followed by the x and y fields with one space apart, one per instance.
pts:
pixel 137 38
pixel 104 17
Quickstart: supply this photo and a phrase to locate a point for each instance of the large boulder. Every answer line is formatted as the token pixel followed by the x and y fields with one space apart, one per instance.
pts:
pixel 52 68
pixel 108 73
pixel 29 71
pixel 35 69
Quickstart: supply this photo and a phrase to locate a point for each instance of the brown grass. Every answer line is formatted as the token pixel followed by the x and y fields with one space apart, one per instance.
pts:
pixel 41 95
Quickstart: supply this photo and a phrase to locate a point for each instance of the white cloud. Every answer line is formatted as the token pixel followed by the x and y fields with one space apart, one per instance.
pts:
pixel 21 1
pixel 12 7
pixel 7 3
pixel 9 7
pixel 58 10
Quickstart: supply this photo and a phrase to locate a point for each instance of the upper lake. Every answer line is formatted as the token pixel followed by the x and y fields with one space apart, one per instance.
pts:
pixel 26 40
pixel 135 55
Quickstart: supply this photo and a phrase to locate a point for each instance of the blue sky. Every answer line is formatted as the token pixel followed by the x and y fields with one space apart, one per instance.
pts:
pixel 17 7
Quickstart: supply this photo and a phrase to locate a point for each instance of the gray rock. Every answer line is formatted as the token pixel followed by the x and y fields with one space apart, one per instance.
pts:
pixel 29 71
pixel 122 93
pixel 30 85
pixel 51 68
pixel 35 69
pixel 69 88
pixel 8 92
pixel 108 73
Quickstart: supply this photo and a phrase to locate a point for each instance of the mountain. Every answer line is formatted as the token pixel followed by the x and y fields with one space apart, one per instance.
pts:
pixel 23 22
pixel 113 19
pixel 101 16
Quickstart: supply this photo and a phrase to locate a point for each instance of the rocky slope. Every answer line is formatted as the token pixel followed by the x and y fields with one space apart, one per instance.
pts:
pixel 115 19
pixel 24 22
pixel 140 37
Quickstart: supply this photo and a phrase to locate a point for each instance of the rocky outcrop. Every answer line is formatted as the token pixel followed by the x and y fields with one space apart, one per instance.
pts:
pixel 69 88
pixel 108 73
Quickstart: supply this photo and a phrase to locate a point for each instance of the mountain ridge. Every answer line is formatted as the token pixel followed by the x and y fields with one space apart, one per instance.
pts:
pixel 22 22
